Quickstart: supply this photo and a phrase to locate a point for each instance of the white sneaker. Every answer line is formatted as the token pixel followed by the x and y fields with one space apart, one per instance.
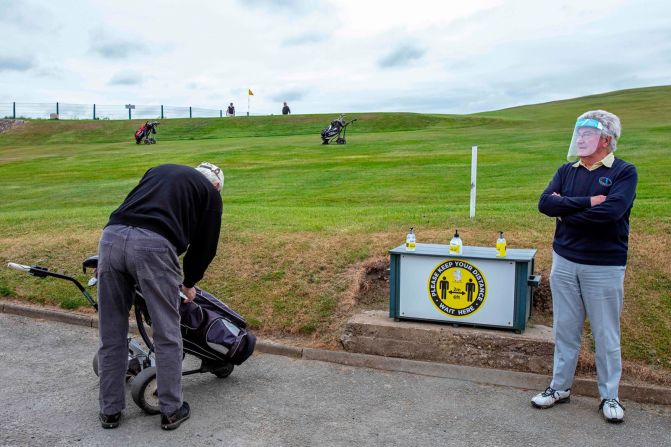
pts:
pixel 612 410
pixel 549 397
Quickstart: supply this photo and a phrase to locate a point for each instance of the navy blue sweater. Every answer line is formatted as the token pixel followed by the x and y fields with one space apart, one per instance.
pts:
pixel 183 206
pixel 591 235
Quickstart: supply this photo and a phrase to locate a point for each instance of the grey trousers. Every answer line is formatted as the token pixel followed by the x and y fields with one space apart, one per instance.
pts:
pixel 130 256
pixel 598 291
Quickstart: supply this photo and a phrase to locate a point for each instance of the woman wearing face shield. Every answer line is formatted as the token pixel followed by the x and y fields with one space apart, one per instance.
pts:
pixel 591 198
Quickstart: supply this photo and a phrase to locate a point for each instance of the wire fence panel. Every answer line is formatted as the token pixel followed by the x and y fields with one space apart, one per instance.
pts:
pixel 59 110
pixel 175 112
pixel 149 112
pixel 205 113
pixel 75 111
pixel 6 110
pixel 117 112
pixel 35 110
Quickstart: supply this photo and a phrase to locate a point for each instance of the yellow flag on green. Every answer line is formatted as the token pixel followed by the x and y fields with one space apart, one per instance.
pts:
pixel 250 92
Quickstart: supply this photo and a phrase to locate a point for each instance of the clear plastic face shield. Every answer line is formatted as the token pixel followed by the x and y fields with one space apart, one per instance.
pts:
pixel 585 141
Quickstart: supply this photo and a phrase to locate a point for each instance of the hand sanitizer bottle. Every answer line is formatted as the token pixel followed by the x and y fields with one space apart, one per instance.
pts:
pixel 410 241
pixel 501 245
pixel 455 244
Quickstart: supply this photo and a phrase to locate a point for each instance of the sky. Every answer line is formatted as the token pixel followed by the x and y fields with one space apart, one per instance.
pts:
pixel 330 56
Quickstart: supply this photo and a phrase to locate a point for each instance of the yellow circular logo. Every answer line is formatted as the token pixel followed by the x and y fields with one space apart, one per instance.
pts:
pixel 457 288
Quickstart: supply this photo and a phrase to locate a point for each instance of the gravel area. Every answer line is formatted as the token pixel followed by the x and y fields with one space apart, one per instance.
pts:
pixel 6 125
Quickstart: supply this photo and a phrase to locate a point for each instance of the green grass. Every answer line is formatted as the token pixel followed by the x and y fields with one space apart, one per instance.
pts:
pixel 298 215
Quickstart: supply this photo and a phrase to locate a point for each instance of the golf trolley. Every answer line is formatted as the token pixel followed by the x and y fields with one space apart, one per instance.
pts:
pixel 145 132
pixel 337 131
pixel 211 331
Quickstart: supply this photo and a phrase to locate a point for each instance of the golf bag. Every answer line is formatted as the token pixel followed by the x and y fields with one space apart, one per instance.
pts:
pixel 144 133
pixel 337 130
pixel 212 330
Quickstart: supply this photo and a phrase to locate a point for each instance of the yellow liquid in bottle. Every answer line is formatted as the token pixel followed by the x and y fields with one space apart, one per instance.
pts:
pixel 500 248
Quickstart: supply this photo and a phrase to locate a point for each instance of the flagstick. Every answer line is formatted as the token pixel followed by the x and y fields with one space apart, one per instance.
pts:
pixel 248 103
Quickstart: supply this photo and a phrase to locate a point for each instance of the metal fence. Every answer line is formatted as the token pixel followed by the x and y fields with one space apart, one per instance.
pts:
pixel 60 110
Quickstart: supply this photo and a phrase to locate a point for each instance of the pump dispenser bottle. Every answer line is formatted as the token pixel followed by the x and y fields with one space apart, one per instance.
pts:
pixel 501 245
pixel 410 240
pixel 456 244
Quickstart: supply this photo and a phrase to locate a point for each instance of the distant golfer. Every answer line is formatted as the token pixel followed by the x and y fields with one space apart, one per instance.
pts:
pixel 230 110
pixel 286 110
pixel 174 209
pixel 591 199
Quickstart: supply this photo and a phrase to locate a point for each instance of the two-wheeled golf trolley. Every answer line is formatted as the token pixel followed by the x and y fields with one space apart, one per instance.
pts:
pixel 211 331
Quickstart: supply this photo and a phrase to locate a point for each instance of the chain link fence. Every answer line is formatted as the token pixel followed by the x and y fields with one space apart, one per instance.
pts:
pixel 60 110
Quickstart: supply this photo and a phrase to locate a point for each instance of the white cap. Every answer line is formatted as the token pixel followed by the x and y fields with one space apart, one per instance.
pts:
pixel 212 172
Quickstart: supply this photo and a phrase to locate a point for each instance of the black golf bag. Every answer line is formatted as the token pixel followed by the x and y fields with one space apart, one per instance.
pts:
pixel 144 133
pixel 337 130
pixel 212 330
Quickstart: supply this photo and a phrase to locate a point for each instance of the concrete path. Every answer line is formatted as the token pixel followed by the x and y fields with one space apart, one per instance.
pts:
pixel 48 396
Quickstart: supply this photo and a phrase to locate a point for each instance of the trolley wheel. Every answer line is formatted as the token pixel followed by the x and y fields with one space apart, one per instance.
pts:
pixel 143 390
pixel 223 371
pixel 95 363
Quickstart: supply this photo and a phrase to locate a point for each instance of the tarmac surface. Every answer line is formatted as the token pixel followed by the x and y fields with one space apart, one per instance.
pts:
pixel 48 396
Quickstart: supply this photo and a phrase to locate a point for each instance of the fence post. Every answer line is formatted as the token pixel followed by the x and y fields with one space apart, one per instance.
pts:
pixel 161 111
pixel 56 108
pixel 221 115
pixel 190 116
pixel 14 110
pixel 94 112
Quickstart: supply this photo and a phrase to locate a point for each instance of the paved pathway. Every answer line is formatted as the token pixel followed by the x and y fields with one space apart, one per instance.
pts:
pixel 48 396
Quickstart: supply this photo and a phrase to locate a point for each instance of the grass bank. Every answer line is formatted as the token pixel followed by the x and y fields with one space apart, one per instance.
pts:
pixel 301 219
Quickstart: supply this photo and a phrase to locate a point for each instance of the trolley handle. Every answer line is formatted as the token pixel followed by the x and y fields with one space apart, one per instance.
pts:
pixel 43 272
pixel 21 267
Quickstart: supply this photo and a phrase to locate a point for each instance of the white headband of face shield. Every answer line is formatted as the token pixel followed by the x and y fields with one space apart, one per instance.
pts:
pixel 586 136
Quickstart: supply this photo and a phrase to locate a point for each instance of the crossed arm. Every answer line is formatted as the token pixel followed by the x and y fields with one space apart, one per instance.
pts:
pixel 590 209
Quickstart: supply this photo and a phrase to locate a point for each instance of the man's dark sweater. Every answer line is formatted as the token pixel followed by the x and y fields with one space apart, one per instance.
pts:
pixel 595 235
pixel 182 205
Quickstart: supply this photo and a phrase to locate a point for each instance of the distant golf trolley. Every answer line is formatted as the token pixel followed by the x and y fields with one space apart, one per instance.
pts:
pixel 475 288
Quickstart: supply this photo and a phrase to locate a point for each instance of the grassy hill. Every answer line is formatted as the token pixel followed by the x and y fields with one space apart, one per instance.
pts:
pixel 303 222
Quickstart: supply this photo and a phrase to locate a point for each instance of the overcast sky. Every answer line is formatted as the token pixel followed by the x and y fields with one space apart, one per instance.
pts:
pixel 329 56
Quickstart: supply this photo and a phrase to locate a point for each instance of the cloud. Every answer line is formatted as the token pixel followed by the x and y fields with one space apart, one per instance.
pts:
pixel 305 39
pixel 9 63
pixel 24 15
pixel 289 95
pixel 401 56
pixel 126 78
pixel 117 50
pixel 280 5
pixel 111 47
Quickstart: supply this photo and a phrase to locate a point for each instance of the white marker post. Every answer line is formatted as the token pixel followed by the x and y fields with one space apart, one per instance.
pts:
pixel 474 174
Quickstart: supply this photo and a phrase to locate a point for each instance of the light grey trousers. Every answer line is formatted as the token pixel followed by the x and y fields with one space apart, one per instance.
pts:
pixel 598 291
pixel 130 256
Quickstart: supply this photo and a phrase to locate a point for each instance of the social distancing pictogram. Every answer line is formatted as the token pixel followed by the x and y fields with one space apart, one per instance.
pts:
pixel 457 288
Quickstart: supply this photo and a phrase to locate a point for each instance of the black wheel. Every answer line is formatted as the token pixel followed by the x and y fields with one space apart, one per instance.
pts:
pixel 223 371
pixel 95 363
pixel 143 391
